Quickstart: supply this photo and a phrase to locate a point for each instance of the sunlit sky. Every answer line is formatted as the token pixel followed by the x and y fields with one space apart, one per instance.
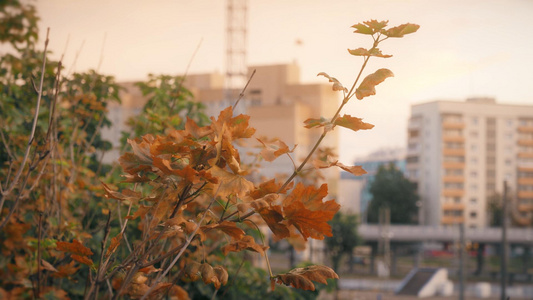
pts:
pixel 463 48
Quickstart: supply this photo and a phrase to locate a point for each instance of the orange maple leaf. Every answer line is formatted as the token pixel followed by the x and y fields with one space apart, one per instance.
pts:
pixel 273 216
pixel 115 242
pixel 368 86
pixel 352 123
pixel 229 228
pixel 196 131
pixel 246 243
pixel 75 248
pixel 302 278
pixel 304 209
pixel 82 259
pixel 189 174
pixel 269 187
pixel 274 149
pixel 229 183
pixel 310 223
pixel 66 270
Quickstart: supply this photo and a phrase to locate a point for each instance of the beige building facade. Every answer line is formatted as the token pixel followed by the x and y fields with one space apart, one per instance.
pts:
pixel 460 153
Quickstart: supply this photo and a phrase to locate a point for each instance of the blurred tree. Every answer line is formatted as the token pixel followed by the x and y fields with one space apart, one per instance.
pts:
pixel 169 104
pixel 344 239
pixel 391 188
pixel 495 210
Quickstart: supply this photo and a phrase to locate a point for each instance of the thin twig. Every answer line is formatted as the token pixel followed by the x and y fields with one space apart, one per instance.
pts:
pixel 182 79
pixel 39 255
pixel 73 66
pixel 101 54
pixel 187 243
pixel 34 126
pixel 241 95
pixel 103 264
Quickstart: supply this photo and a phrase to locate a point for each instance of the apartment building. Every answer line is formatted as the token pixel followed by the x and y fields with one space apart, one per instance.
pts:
pixel 460 153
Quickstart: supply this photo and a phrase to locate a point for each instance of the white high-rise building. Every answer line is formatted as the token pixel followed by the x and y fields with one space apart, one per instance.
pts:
pixel 460 153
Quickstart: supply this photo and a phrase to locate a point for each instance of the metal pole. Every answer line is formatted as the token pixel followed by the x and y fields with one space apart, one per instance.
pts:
pixel 462 255
pixel 505 244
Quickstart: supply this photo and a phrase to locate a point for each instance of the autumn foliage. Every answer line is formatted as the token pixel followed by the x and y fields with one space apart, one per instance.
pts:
pixel 184 203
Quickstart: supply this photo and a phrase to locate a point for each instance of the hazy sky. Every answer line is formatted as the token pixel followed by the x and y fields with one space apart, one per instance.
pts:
pixel 463 48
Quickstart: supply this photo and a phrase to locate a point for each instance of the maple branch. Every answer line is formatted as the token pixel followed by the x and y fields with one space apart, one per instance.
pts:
pixel 103 264
pixel 323 135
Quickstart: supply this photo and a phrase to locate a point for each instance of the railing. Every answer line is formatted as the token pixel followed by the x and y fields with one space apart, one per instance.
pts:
pixel 415 233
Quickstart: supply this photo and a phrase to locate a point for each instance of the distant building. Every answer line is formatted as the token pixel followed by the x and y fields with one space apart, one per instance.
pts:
pixel 355 190
pixel 460 153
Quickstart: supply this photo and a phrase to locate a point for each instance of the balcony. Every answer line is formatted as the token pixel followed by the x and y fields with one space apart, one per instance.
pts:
pixel 453 152
pixel 452 125
pixel 525 168
pixel 453 206
pixel 525 155
pixel 525 194
pixel 525 208
pixel 453 193
pixel 525 129
pixel 525 142
pixel 453 165
pixel 453 138
pixel 450 220
pixel 525 180
pixel 459 179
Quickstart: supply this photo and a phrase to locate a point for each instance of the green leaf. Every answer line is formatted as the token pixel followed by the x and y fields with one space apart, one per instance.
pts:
pixel 400 31
pixel 362 28
pixel 372 52
pixel 370 27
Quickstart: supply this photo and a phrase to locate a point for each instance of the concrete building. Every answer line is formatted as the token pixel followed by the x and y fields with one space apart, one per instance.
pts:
pixel 460 153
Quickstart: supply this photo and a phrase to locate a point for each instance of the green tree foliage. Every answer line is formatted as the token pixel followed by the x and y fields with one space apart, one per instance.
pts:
pixel 18 24
pixel 169 104
pixel 391 188
pixel 345 238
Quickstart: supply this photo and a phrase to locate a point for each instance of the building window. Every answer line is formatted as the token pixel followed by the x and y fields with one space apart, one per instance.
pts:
pixel 473 200
pixel 473 174
pixel 474 120
pixel 473 214
pixel 474 134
